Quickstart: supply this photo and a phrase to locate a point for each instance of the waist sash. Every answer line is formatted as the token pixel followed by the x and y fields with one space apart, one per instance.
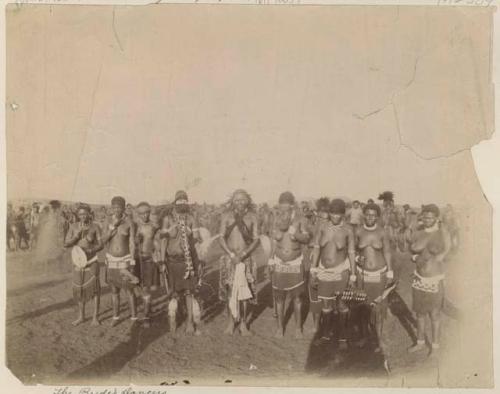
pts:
pixel 428 284
pixel 118 262
pixel 289 267
pixel 332 274
pixel 371 276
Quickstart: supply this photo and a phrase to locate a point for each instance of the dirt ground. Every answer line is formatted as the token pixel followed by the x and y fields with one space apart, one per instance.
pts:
pixel 43 346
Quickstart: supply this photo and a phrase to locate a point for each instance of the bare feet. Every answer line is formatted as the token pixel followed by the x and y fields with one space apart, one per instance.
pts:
pixel 78 321
pixel 189 329
pixel 172 324
pixel 278 333
pixel 245 332
pixel 299 334
pixel 229 329
pixel 95 322
pixel 416 348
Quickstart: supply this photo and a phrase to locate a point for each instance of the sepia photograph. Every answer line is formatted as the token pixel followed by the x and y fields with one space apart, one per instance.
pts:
pixel 242 195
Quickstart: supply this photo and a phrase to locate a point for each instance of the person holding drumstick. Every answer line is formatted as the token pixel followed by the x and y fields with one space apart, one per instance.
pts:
pixel 85 237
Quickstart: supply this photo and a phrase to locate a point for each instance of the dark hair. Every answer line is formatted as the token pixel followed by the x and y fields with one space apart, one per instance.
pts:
pixel 118 200
pixel 55 204
pixel 86 207
pixel 337 206
pixel 322 204
pixel 371 207
pixel 286 198
pixel 433 208
pixel 143 204
pixel 181 195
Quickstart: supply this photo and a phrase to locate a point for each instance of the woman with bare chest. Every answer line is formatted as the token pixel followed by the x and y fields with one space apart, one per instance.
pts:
pixel 429 246
pixel 373 270
pixel 289 233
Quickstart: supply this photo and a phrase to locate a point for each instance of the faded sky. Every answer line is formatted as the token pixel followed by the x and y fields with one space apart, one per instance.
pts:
pixel 142 101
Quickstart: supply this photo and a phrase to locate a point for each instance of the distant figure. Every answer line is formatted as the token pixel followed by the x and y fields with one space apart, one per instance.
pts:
pixel 450 220
pixel 52 229
pixel 34 222
pixel 355 215
pixel 20 232
pixel 11 238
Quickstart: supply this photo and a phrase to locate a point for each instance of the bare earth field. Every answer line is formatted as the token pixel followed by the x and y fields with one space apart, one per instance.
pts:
pixel 43 346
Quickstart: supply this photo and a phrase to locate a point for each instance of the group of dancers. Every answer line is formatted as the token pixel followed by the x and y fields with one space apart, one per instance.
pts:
pixel 339 265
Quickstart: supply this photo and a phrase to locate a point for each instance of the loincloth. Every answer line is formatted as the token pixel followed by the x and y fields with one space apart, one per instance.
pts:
pixel 372 282
pixel 177 268
pixel 148 272
pixel 86 282
pixel 227 273
pixel 428 293
pixel 287 276
pixel 114 268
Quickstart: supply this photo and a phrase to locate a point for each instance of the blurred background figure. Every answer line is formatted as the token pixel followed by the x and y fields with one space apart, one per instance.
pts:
pixel 52 228
pixel 34 222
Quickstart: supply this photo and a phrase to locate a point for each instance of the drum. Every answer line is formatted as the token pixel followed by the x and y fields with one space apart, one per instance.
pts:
pixel 78 257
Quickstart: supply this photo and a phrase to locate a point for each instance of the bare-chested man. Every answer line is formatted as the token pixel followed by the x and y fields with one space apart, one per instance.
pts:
pixel 289 233
pixel 429 245
pixel 86 282
pixel 178 236
pixel 374 270
pixel 120 239
pixel 145 248
pixel 333 258
pixel 239 238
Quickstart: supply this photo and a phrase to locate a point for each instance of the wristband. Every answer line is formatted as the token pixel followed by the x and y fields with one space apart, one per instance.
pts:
pixel 390 274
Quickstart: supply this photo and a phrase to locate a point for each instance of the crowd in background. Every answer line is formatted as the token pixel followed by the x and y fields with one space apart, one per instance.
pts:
pixel 25 220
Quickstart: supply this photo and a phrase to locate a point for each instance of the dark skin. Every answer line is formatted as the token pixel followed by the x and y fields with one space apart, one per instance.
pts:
pixel 86 235
pixel 172 246
pixel 145 234
pixel 289 233
pixel 429 262
pixel 374 251
pixel 120 238
pixel 334 241
pixel 237 249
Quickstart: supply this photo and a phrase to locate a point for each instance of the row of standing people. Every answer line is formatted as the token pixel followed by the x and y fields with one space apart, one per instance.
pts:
pixel 323 259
